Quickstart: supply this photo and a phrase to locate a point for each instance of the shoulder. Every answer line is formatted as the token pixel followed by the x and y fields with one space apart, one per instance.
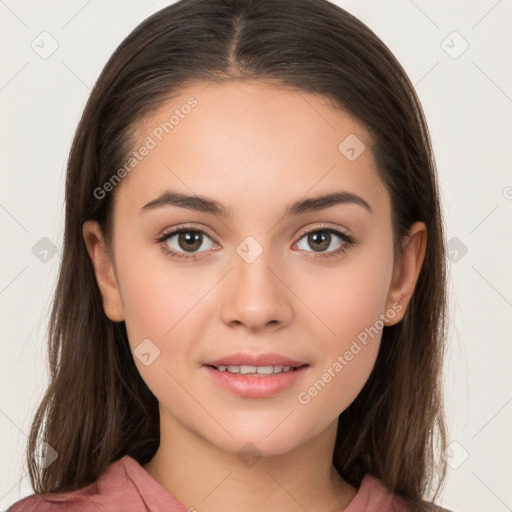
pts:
pixel 47 502
pixel 373 496
pixel 113 487
pixel 125 486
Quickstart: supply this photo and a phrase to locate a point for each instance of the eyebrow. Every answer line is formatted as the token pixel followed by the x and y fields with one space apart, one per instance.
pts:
pixel 207 205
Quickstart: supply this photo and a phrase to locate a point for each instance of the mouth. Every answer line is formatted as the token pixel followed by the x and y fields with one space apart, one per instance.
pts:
pixel 256 371
pixel 255 375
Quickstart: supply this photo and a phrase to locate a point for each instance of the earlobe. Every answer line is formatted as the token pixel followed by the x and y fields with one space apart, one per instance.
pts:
pixel 407 270
pixel 103 268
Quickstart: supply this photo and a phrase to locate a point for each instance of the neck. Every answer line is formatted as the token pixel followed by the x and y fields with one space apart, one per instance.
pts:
pixel 206 478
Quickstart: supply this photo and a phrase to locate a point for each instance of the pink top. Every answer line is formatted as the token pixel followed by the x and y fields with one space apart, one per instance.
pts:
pixel 127 486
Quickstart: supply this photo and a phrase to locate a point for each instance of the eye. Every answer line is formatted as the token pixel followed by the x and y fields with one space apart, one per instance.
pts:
pixel 323 241
pixel 185 241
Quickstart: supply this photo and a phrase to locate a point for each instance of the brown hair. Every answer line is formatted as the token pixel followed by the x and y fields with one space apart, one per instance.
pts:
pixel 97 408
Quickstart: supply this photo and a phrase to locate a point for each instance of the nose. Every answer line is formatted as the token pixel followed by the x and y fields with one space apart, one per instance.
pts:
pixel 255 294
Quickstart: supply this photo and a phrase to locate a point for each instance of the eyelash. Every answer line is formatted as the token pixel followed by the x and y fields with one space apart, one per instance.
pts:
pixel 347 239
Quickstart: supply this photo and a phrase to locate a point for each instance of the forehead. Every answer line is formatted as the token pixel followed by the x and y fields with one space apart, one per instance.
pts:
pixel 251 140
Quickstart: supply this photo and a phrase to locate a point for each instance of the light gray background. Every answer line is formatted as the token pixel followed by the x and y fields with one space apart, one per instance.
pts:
pixel 467 98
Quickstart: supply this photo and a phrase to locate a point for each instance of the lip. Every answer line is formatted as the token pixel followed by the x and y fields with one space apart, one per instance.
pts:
pixel 251 386
pixel 266 359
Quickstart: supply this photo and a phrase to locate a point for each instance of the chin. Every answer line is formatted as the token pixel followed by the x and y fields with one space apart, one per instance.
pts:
pixel 262 439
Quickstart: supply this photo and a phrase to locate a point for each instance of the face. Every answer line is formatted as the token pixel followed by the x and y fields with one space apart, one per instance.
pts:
pixel 239 281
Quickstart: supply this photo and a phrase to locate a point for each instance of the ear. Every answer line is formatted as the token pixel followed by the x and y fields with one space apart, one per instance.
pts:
pixel 104 269
pixel 407 269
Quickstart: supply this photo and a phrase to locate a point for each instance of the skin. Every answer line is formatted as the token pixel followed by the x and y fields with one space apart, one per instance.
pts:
pixel 255 148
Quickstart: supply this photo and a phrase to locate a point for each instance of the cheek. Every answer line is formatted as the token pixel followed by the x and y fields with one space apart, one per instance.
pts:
pixel 348 324
pixel 348 299
pixel 335 386
pixel 158 303
pixel 168 306
pixel 348 352
pixel 161 311
pixel 360 304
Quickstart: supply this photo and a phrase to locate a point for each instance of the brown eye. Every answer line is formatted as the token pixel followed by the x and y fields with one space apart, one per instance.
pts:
pixel 321 239
pixel 190 240
pixel 183 241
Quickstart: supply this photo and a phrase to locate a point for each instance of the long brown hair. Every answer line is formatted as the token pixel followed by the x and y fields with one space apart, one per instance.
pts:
pixel 97 408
